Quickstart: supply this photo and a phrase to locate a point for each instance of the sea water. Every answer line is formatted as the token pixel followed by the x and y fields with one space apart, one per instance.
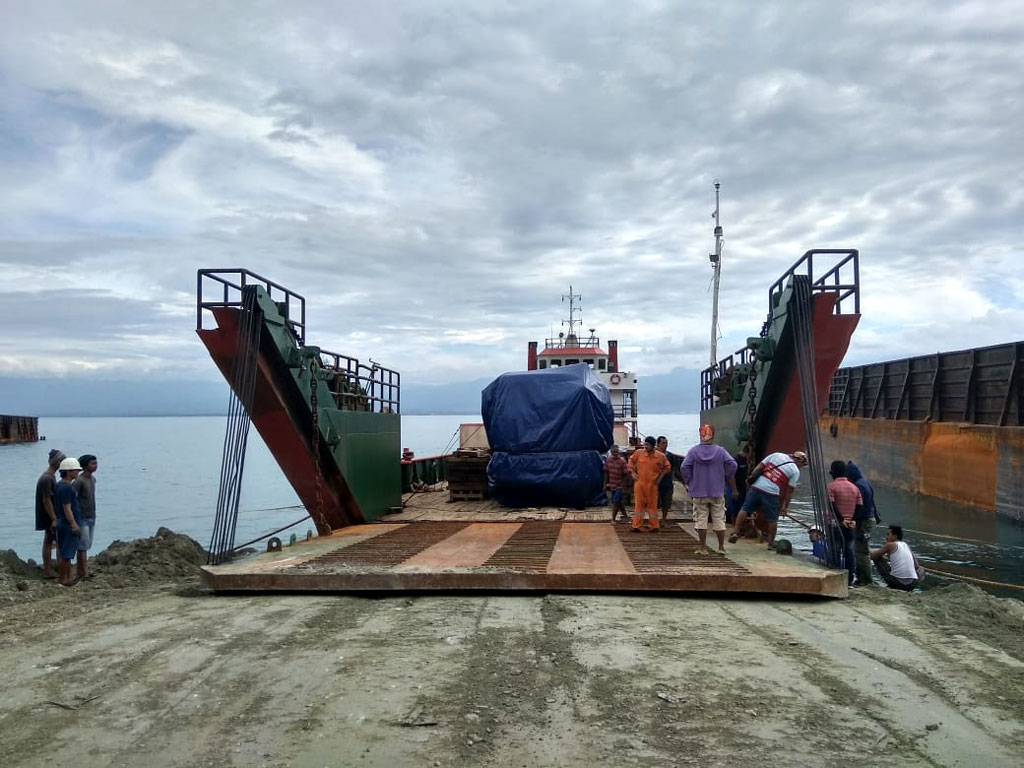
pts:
pixel 166 471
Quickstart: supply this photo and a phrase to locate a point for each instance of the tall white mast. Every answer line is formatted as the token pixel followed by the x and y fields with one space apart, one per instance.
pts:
pixel 716 266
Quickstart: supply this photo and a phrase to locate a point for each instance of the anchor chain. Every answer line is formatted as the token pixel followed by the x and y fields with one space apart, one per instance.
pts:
pixel 752 394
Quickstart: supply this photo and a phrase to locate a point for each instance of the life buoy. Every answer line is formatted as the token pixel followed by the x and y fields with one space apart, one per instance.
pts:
pixel 615 379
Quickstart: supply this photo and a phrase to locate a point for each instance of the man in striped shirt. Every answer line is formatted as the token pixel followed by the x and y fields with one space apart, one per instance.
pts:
pixel 615 471
pixel 844 498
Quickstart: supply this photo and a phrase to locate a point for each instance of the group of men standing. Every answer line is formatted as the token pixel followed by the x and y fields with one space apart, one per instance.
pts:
pixel 66 514
pixel 721 488
pixel 853 506
pixel 648 475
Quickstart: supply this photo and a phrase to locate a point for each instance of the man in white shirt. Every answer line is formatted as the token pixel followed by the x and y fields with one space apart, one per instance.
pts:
pixel 896 564
pixel 776 477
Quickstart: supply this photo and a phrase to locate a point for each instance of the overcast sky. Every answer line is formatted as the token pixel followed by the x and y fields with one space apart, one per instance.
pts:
pixel 432 176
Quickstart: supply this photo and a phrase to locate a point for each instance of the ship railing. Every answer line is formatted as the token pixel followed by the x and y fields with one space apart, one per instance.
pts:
pixel 591 342
pixel 356 386
pixel 843 278
pixel 224 287
pixel 625 410
pixel 716 382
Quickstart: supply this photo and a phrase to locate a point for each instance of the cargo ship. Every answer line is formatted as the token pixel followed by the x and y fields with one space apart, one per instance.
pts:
pixel 572 348
pixel 753 397
pixel 949 425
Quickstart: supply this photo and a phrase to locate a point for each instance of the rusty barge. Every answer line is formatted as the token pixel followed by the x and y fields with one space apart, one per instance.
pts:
pixel 949 425
pixel 19 429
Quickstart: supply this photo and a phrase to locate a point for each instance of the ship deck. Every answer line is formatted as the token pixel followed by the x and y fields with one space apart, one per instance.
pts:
pixel 480 546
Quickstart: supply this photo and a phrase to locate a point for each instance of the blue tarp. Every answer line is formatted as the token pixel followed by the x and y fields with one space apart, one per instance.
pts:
pixel 572 479
pixel 549 411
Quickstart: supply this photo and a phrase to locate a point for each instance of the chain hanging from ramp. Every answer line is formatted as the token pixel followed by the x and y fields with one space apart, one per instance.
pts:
pixel 236 434
pixel 801 305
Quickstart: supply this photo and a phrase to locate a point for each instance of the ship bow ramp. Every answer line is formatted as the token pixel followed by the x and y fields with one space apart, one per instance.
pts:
pixel 331 422
pixel 753 396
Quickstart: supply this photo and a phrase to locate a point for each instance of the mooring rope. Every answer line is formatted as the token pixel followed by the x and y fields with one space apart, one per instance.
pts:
pixel 236 433
pixel 802 309
pixel 932 569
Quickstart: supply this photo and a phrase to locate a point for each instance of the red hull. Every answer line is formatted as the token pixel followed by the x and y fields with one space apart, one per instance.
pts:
pixel 279 430
pixel 832 334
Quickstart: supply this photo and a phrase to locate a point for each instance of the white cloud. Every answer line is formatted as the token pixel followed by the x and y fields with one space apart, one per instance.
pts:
pixel 432 177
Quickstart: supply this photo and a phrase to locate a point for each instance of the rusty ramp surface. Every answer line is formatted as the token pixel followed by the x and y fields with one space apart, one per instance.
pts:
pixel 524 555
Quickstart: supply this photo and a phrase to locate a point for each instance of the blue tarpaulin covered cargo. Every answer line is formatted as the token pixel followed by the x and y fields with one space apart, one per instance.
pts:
pixel 549 411
pixel 548 430
pixel 566 479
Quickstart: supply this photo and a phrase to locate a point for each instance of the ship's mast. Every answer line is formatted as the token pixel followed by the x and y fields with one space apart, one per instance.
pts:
pixel 716 266
pixel 574 310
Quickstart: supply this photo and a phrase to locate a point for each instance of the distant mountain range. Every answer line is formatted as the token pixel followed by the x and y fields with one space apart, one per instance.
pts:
pixel 673 392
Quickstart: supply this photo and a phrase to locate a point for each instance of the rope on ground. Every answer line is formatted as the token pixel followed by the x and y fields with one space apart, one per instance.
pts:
pixel 930 569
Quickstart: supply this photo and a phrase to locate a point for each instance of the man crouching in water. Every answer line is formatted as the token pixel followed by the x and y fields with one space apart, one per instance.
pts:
pixel 896 564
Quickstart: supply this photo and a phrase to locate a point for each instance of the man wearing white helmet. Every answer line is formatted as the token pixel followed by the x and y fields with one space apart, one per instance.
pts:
pixel 69 519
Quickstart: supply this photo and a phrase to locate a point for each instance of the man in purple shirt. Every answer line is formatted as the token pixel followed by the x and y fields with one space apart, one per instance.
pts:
pixel 706 470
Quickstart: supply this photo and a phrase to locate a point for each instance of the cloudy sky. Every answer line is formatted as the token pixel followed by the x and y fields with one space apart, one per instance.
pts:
pixel 432 176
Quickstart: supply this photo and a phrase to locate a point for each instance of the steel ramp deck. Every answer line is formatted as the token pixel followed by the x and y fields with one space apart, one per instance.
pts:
pixel 520 555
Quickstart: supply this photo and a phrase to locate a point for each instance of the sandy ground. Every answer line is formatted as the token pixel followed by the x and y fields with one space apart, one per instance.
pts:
pixel 166 675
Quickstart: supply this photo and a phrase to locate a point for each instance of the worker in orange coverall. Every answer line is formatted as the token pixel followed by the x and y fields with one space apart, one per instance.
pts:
pixel 647 467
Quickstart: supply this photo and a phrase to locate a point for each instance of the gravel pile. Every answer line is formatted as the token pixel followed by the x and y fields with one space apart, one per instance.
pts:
pixel 168 556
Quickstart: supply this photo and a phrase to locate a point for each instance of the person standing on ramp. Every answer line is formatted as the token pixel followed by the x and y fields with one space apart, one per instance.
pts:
pixel 706 470
pixel 647 467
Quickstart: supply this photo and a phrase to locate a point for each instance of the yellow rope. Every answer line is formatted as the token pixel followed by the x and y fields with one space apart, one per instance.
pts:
pixel 928 566
pixel 1003 584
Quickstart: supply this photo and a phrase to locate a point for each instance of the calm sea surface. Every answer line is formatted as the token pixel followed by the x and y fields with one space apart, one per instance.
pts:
pixel 165 472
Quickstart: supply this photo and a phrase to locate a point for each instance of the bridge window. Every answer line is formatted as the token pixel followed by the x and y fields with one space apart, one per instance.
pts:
pixel 600 364
pixel 572 361
pixel 543 364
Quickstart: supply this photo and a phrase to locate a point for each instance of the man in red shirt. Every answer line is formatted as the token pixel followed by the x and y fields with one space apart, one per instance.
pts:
pixel 844 498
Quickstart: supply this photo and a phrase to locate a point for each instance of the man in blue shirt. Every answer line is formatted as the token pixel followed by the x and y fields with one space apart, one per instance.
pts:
pixel 69 520
pixel 865 518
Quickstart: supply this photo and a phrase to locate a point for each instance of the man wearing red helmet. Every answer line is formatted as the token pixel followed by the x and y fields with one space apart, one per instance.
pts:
pixel 706 470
